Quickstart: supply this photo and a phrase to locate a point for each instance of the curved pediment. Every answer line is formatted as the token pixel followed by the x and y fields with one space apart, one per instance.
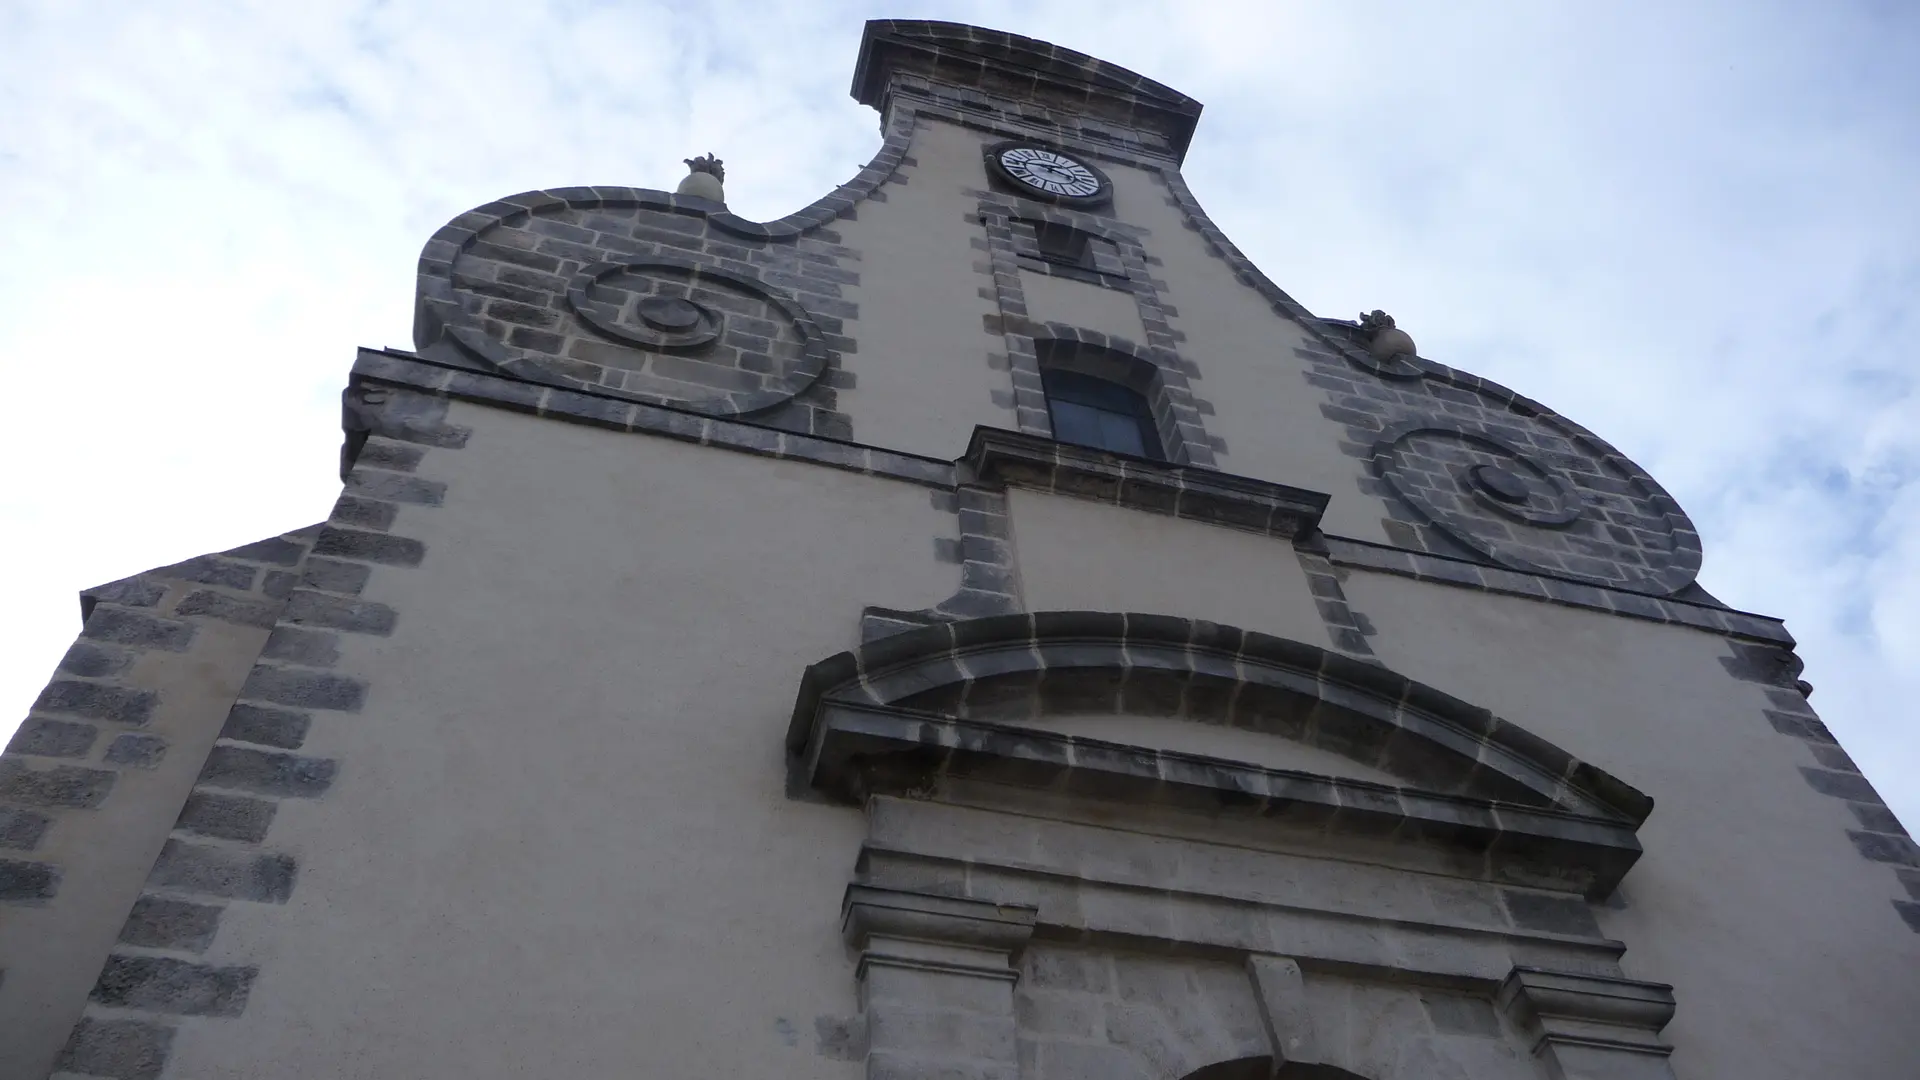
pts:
pixel 1015 699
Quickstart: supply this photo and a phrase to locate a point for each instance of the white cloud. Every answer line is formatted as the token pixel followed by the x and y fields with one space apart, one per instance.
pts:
pixel 1690 227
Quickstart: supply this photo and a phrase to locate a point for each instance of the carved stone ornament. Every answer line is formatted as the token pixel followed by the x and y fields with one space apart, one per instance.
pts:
pixel 704 178
pixel 1375 344
pixel 1527 498
pixel 1385 340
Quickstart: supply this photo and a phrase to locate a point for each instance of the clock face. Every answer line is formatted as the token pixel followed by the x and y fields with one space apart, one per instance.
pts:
pixel 1051 172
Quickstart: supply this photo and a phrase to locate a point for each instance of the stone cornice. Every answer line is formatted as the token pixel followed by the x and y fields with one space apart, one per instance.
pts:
pixel 973 58
pixel 1217 498
pixel 856 751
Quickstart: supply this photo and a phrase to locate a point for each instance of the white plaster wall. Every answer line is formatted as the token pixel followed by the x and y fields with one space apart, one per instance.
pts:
pixel 1082 305
pixel 558 844
pixel 1786 955
pixel 1074 554
pixel 1264 407
pixel 922 377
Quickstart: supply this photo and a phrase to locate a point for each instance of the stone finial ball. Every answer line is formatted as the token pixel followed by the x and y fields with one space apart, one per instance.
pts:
pixel 1390 342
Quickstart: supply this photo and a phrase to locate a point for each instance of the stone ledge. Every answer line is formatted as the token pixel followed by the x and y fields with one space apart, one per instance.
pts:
pixel 868 911
pixel 1103 912
pixel 1197 494
pixel 1435 568
pixel 857 751
pixel 374 367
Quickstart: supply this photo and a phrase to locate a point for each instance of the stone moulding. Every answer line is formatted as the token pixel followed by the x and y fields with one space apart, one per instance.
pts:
pixel 946 700
pixel 859 749
pixel 976 57
pixel 1012 458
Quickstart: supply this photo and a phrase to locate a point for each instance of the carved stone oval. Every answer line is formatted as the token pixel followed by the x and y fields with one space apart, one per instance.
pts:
pixel 671 330
pixel 1551 511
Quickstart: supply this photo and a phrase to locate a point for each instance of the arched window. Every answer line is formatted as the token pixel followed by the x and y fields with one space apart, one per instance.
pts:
pixel 1091 411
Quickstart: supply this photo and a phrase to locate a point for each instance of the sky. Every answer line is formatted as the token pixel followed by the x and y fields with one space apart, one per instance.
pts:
pixel 1692 228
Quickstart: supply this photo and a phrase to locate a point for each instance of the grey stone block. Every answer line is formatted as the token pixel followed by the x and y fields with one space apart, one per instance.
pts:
pixel 131 592
pixel 125 627
pixel 278 583
pixel 363 513
pixel 137 750
pixel 159 923
pixel 116 1049
pixel 98 701
pixel 1910 913
pixel 224 873
pixel 1552 914
pixel 63 786
pixel 1840 785
pixel 97 661
pixel 212 570
pixel 1881 847
pixel 267 773
pixel 268 727
pixel 1911 880
pixel 179 987
pixel 229 817
pixel 370 547
pixel 20 829
pixel 226 608
pixel 1832 757
pixel 381 453
pixel 313 648
pixel 53 738
pixel 1877 819
pixel 23 882
pixel 392 487
pixel 308 689
pixel 277 550
pixel 1800 726
pixel 334 576
pixel 338 613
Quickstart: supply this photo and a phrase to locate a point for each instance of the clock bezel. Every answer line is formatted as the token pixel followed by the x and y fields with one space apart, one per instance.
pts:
pixel 1100 197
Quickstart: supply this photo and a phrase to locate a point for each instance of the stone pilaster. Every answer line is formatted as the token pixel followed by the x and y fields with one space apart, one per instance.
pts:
pixel 1588 1027
pixel 936 982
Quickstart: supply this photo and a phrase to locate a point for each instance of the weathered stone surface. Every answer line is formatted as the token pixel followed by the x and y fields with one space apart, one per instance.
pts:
pixel 135 750
pixel 230 817
pixel 126 627
pixel 178 987
pixel 225 873
pixel 22 829
pixel 267 773
pixel 22 881
pixel 98 701
pixel 61 786
pixel 117 1049
pixel 159 923
pixel 53 738
pixel 283 728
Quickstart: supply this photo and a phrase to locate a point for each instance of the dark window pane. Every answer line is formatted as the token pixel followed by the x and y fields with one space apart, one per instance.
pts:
pixel 1076 423
pixel 1121 433
pixel 1094 412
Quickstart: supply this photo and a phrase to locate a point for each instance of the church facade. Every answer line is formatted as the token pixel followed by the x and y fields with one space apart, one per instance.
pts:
pixel 977 627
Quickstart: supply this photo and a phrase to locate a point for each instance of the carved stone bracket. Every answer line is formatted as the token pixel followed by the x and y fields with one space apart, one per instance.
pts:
pixel 1590 1027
